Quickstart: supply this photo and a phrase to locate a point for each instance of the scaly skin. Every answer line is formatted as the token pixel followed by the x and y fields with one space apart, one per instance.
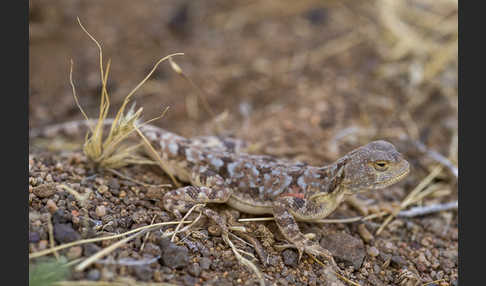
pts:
pixel 218 172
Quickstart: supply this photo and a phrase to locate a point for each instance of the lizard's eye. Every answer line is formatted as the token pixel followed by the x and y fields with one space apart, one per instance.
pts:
pixel 380 165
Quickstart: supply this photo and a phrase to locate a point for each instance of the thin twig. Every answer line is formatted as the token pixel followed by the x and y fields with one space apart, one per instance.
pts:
pixel 105 251
pixel 423 210
pixel 183 219
pixel 129 261
pixel 90 240
pixel 157 156
pixel 243 260
pixel 412 196
pixel 51 236
pixel 121 175
pixel 147 235
pixel 108 283
pixel 437 157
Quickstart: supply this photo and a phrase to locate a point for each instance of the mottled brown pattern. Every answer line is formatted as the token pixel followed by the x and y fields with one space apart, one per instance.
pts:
pixel 219 172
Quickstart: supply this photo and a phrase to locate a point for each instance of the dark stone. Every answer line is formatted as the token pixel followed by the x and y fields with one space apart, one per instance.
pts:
pixel 90 249
pixel 174 256
pixel 290 257
pixel 345 247
pixel 143 272
pixel 64 233
pixel 373 280
pixel 194 269
pixel 398 261
pixel 189 280
pixel 205 263
pixel 60 217
pixel 93 275
pixel 34 237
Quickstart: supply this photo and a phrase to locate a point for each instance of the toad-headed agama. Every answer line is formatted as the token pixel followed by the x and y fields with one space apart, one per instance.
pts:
pixel 219 172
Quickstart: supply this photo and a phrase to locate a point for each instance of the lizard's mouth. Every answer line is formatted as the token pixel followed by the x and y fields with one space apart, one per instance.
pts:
pixel 396 179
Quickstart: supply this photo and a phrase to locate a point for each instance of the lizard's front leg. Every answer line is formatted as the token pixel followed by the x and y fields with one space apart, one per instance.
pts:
pixel 208 188
pixel 284 210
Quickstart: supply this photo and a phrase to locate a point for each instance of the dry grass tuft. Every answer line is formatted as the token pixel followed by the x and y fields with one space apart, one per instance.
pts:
pixel 110 151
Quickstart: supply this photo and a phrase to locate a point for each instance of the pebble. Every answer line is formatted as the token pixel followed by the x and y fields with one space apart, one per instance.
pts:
pixel 90 249
pixel 102 189
pixel 42 244
pixel 365 233
pixel 214 230
pixel 174 256
pixel 152 249
pixel 34 237
pixel 194 269
pixel 398 261
pixel 51 206
pixel 205 263
pixel 290 257
pixel 64 233
pixel 345 247
pixel 93 275
pixel 143 272
pixel 100 211
pixel 107 274
pixel 44 191
pixel 189 280
pixel 373 251
pixel 74 252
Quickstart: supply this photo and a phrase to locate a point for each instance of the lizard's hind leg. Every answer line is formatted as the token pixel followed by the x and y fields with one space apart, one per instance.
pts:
pixel 208 189
pixel 284 209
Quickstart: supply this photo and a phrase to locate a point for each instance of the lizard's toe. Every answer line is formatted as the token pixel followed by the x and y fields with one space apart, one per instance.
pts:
pixel 313 248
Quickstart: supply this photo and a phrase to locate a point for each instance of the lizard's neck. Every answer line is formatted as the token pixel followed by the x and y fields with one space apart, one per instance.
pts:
pixel 326 182
pixel 331 176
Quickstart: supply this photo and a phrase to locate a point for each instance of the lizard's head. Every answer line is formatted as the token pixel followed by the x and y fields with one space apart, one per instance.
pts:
pixel 373 166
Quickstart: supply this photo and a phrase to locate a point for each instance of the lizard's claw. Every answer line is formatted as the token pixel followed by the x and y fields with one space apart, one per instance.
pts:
pixel 314 249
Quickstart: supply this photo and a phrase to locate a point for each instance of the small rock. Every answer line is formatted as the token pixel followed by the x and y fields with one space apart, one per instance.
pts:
pixel 90 249
pixel 152 249
pixel 143 273
pixel 398 261
pixel 205 263
pixel 51 206
pixel 189 280
pixel 64 233
pixel 389 246
pixel 194 269
pixel 365 233
pixel 42 244
pixel 345 247
pixel 373 280
pixel 173 255
pixel 34 237
pixel 214 230
pixel 373 251
pixel 107 274
pixel 44 191
pixel 59 217
pixel 74 252
pixel 290 257
pixel 100 211
pixel 93 275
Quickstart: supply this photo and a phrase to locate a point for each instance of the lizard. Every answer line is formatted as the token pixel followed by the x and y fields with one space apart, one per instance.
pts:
pixel 218 171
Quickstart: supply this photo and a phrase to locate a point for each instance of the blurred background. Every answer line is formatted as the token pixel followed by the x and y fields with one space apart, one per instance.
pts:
pixel 302 79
